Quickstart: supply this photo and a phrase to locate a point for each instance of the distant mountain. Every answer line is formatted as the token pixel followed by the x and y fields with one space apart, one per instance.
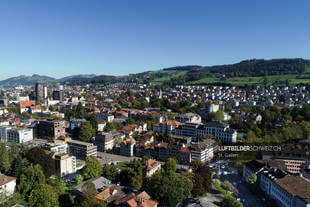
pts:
pixel 26 80
pixel 76 76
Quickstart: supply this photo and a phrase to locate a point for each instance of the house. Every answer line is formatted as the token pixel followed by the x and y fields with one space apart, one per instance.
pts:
pixel 151 166
pixel 127 147
pixel 7 185
pixel 136 200
pixel 99 182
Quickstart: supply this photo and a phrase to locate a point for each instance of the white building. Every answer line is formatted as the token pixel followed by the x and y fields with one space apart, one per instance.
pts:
pixel 64 164
pixel 19 135
pixel 7 185
pixel 188 118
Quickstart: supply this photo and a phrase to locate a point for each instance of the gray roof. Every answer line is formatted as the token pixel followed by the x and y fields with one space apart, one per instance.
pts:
pixel 99 183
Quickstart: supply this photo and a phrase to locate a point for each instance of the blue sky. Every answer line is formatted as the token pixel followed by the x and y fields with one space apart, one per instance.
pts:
pixel 117 37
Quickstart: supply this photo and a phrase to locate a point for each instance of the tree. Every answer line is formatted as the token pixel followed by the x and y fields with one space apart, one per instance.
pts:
pixel 43 196
pixel 86 132
pixel 130 121
pixel 170 166
pixel 18 166
pixel 94 123
pixel 110 172
pixel 80 112
pixel 170 189
pixel 252 178
pixel 88 198
pixel 37 155
pixel 133 175
pixel 31 178
pixel 203 171
pixel 79 179
pixel 4 159
pixel 66 200
pixel 92 168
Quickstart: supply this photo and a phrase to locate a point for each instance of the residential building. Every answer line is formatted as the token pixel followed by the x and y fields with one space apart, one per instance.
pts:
pixel 151 166
pixel 188 118
pixel 41 91
pixel 57 146
pixel 76 123
pixel 127 147
pixel 7 185
pixel 168 125
pixel 64 164
pixel 105 141
pixel 58 95
pixel 81 150
pixel 203 151
pixel 51 129
pixel 19 135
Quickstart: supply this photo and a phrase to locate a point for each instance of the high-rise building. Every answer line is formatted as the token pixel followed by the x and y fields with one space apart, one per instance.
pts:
pixel 41 91
pixel 58 95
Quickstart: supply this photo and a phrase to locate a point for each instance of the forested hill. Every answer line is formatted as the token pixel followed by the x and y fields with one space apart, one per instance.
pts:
pixel 282 70
pixel 255 67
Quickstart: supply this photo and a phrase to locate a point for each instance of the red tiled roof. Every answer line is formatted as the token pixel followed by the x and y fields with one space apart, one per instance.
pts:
pixel 25 104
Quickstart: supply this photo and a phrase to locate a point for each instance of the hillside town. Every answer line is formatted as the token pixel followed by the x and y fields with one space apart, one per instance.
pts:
pixel 111 145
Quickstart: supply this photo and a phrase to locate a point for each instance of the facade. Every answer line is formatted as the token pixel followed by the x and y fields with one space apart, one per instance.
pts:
pixel 203 151
pixel 188 118
pixel 151 166
pixel 76 123
pixel 163 151
pixel 7 185
pixel 58 95
pixel 127 147
pixel 51 129
pixel 105 141
pixel 81 150
pixel 291 191
pixel 168 125
pixel 64 164
pixel 217 129
pixel 19 135
pixel 41 91
pixel 57 146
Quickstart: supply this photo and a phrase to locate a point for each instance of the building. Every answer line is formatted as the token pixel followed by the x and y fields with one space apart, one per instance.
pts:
pixel 203 151
pixel 3 133
pixel 51 129
pixel 64 164
pixel 81 150
pixel 24 106
pixel 127 147
pixel 7 185
pixel 76 123
pixel 99 182
pixel 168 125
pixel 288 191
pixel 19 135
pixel 104 141
pixel 218 130
pixel 188 118
pixel 58 95
pixel 41 91
pixel 151 166
pixel 163 151
pixel 57 146
pixel 135 200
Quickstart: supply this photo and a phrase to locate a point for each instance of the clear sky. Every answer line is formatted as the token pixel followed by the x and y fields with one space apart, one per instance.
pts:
pixel 117 37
